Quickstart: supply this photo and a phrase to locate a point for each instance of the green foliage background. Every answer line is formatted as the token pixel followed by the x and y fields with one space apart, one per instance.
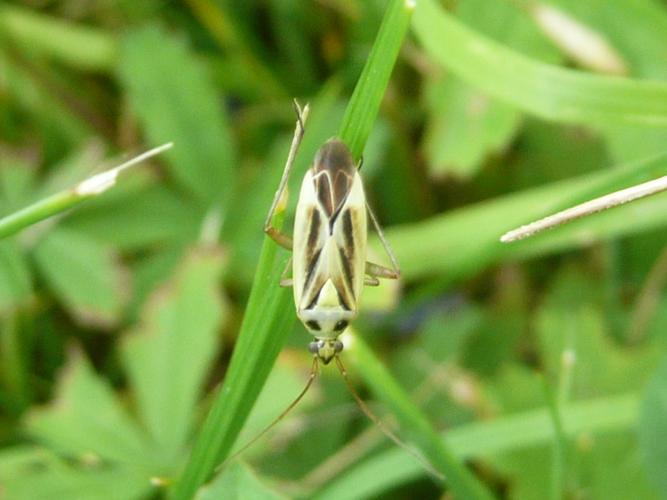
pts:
pixel 531 370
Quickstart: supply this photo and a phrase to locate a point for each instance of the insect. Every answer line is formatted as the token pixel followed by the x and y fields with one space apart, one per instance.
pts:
pixel 329 266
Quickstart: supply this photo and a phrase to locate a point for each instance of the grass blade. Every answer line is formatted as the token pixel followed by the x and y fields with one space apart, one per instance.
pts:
pixel 542 89
pixel 69 198
pixel 365 101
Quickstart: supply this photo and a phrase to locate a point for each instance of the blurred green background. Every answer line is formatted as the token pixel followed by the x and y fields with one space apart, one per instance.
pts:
pixel 541 362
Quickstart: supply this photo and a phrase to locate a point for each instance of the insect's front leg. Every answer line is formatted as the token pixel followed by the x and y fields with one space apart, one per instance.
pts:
pixel 284 240
pixel 276 235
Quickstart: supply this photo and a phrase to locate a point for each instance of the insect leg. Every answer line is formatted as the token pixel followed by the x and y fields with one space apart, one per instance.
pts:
pixel 375 269
pixel 378 271
pixel 284 280
pixel 279 237
pixel 371 281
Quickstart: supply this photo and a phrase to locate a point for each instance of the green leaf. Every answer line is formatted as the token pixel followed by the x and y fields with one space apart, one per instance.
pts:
pixel 34 474
pixel 174 99
pixel 533 86
pixel 20 459
pixel 571 319
pixel 85 420
pixel 465 125
pixel 237 482
pixel 84 274
pixel 653 428
pixel 170 353
pixel 113 484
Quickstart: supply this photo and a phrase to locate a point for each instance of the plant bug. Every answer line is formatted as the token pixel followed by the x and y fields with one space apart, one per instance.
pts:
pixel 329 267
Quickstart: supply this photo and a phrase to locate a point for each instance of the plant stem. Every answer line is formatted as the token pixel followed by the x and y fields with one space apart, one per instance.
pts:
pixel 69 198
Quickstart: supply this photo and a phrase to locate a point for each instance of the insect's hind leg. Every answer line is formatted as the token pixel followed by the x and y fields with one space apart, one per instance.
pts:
pixel 284 280
pixel 276 235
pixel 378 271
pixel 371 281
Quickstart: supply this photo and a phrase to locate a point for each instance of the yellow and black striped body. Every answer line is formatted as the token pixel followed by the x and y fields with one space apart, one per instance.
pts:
pixel 330 234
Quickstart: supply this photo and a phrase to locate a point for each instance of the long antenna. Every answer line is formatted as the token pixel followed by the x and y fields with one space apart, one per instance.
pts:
pixel 311 377
pixel 376 420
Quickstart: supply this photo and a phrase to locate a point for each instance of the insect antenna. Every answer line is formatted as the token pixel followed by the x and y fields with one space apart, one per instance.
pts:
pixel 311 377
pixel 376 420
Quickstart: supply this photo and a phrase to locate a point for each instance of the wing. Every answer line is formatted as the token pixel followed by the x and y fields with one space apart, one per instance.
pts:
pixel 349 231
pixel 310 238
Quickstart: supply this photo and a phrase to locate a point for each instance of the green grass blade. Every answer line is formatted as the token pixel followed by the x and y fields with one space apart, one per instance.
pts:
pixel 69 198
pixel 365 101
pixel 414 424
pixel 486 439
pixel 542 89
pixel 81 47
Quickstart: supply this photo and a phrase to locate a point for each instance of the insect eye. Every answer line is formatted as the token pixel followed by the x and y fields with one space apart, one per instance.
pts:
pixel 313 325
pixel 338 346
pixel 313 347
pixel 341 325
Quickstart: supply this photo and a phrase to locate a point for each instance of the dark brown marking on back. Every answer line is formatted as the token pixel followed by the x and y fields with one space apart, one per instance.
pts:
pixel 348 232
pixel 333 174
pixel 342 302
pixel 314 229
pixel 310 268
pixel 315 297
pixel 347 271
